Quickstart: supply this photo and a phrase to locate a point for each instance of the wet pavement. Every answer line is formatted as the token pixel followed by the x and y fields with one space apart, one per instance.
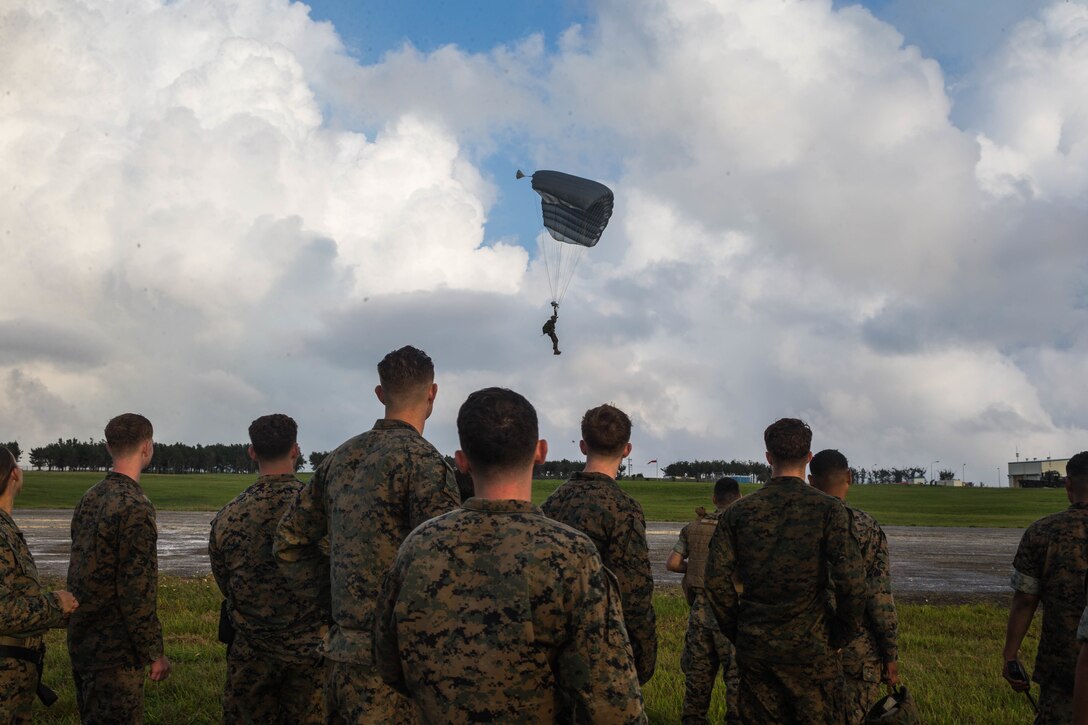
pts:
pixel 929 564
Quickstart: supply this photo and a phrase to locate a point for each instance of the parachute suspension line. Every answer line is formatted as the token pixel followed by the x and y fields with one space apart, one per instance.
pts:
pixel 542 244
pixel 574 254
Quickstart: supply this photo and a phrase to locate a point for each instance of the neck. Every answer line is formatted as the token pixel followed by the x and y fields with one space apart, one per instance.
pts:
pixel 503 485
pixel 414 416
pixel 788 470
pixel 7 501
pixel 609 466
pixel 282 467
pixel 838 492
pixel 131 467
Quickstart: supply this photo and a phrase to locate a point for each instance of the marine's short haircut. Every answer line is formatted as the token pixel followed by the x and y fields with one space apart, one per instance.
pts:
pixel 788 439
pixel 273 436
pixel 126 432
pixel 827 462
pixel 726 488
pixel 606 430
pixel 7 467
pixel 404 371
pixel 497 429
pixel 1077 469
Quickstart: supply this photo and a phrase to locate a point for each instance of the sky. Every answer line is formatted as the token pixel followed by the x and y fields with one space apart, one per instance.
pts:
pixel 868 216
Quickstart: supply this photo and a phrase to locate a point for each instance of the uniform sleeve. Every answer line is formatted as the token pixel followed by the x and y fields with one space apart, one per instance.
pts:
pixel 681 547
pixel 433 490
pixel 386 646
pixel 219 565
pixel 847 575
pixel 596 667
pixel 138 580
pixel 20 613
pixel 1028 564
pixel 631 565
pixel 300 541
pixel 880 605
pixel 719 579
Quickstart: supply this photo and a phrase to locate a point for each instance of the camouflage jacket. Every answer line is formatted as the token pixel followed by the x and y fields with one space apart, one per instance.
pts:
pixel 113 573
pixel 25 612
pixel 366 496
pixel 274 615
pixel 1051 562
pixel 494 613
pixel 878 641
pixel 784 545
pixel 594 504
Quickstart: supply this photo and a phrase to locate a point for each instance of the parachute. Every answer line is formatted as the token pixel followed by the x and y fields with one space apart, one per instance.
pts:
pixel 575 212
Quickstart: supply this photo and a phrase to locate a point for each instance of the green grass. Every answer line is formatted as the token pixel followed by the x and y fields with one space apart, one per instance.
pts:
pixel 950 659
pixel 661 500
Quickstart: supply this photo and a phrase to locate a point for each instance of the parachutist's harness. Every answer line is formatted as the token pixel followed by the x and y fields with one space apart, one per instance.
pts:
pixel 17 649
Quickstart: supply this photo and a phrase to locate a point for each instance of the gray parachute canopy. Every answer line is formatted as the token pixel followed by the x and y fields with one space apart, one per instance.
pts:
pixel 575 210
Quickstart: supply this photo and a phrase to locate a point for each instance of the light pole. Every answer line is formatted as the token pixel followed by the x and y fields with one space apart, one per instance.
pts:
pixel 963 473
pixel 997 477
pixel 931 465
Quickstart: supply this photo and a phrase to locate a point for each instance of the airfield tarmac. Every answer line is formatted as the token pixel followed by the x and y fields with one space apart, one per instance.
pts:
pixel 939 565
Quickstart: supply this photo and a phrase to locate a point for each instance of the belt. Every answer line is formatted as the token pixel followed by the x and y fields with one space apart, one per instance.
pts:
pixel 35 657
pixel 14 641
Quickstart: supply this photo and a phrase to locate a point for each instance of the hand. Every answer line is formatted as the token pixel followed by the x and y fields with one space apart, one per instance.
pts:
pixel 1018 683
pixel 891 674
pixel 160 669
pixel 68 603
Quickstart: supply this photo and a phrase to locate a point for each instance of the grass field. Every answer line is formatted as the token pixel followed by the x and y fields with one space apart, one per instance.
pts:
pixel 950 659
pixel 661 500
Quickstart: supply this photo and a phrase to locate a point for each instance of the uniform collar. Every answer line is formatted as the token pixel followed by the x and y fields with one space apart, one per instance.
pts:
pixel 122 478
pixel 584 476
pixel 392 424
pixel 1079 505
pixel 500 506
pixel 278 478
pixel 786 481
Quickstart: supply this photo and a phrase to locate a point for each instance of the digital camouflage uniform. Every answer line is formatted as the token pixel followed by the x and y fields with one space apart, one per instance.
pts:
pixel 113 573
pixel 275 672
pixel 494 613
pixel 877 643
pixel 706 649
pixel 1050 563
pixel 25 614
pixel 781 546
pixel 594 504
pixel 366 496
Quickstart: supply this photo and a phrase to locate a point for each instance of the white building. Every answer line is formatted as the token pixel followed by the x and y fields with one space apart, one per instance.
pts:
pixel 1035 469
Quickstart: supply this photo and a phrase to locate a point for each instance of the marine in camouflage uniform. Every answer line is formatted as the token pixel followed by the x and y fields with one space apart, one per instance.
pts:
pixel 872 655
pixel 113 572
pixel 592 502
pixel 1049 568
pixel 366 496
pixel 706 649
pixel 1080 691
pixel 495 613
pixel 492 610
pixel 773 557
pixel 274 665
pixel 25 614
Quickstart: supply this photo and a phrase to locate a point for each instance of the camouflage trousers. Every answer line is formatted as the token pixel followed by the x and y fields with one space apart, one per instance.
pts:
pixel 18 680
pixel 705 650
pixel 263 690
pixel 799 694
pixel 1055 706
pixel 859 695
pixel 110 697
pixel 356 694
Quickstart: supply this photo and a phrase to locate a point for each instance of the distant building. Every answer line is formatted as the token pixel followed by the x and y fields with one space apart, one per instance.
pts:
pixel 950 482
pixel 1036 473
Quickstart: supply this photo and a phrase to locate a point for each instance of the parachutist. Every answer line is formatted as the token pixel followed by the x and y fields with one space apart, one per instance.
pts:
pixel 549 328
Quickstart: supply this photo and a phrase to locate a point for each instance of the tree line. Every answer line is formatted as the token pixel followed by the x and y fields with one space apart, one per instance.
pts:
pixel 713 470
pixel 91 455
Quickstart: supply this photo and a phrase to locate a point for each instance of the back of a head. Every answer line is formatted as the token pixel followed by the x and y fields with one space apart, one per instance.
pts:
pixel 405 375
pixel 126 432
pixel 828 467
pixel 1076 470
pixel 726 490
pixel 498 430
pixel 606 430
pixel 273 436
pixel 7 465
pixel 788 440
